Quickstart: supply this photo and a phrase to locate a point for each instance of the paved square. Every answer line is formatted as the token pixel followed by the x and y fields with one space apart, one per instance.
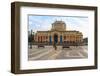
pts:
pixel 49 53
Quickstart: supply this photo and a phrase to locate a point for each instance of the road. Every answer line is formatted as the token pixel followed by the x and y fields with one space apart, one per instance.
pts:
pixel 49 53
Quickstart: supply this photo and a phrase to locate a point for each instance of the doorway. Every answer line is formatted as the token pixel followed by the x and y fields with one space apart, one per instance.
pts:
pixel 55 38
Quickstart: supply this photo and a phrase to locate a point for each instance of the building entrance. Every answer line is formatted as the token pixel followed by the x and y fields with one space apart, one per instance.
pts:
pixel 55 38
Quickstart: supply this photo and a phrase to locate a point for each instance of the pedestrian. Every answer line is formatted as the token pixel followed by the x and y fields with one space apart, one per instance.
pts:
pixel 55 46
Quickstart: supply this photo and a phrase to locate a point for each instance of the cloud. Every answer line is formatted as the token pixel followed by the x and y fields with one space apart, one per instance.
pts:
pixel 44 23
pixel 80 24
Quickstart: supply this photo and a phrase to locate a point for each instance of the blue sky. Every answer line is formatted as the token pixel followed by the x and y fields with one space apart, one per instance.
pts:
pixel 43 23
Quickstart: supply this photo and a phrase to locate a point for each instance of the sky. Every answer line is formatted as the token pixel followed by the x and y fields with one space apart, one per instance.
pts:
pixel 44 23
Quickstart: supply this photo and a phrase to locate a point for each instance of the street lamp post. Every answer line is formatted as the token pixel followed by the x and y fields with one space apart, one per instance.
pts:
pixel 30 40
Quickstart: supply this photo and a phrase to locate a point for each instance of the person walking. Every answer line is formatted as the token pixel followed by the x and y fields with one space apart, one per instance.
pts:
pixel 55 46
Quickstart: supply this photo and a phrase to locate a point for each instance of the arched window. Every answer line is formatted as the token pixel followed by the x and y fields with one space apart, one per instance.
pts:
pixel 38 38
pixel 46 37
pixel 61 39
pixel 64 37
pixel 41 38
pixel 50 39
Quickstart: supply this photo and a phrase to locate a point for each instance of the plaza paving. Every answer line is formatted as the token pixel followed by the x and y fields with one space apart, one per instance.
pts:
pixel 49 53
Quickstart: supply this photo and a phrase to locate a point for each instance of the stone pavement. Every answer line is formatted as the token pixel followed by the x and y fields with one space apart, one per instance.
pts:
pixel 48 53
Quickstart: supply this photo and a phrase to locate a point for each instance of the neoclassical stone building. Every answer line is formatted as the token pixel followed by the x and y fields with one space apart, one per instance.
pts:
pixel 58 34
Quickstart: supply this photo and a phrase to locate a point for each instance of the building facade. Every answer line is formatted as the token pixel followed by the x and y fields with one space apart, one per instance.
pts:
pixel 59 35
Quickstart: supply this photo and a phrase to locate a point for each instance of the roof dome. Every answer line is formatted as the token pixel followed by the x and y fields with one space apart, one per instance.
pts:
pixel 59 26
